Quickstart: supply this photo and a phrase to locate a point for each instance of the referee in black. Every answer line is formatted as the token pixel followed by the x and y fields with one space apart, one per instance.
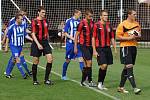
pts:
pixel 40 45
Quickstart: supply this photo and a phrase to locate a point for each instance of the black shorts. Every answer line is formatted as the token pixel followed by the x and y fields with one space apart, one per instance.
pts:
pixel 128 55
pixel 105 56
pixel 87 52
pixel 35 52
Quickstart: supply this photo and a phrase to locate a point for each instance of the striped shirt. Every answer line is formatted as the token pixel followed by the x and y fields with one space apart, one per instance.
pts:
pixel 16 34
pixel 103 34
pixel 71 28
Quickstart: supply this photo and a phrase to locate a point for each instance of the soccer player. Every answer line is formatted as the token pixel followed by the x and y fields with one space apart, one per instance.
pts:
pixel 103 36
pixel 40 45
pixel 22 59
pixel 84 35
pixel 69 31
pixel 15 36
pixel 128 32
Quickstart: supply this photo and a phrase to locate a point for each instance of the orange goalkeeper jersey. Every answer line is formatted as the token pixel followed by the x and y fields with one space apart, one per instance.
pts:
pixel 124 28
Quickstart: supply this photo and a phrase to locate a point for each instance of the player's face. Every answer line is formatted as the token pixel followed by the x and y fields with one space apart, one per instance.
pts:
pixel 89 16
pixel 133 15
pixel 78 15
pixel 104 16
pixel 42 13
pixel 19 20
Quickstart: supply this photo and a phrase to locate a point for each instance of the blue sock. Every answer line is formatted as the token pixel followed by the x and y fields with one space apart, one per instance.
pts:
pixel 20 69
pixel 10 66
pixel 23 62
pixel 65 66
pixel 81 65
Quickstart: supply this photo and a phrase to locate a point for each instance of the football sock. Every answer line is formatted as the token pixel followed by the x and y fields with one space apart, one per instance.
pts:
pixel 101 75
pixel 10 66
pixel 23 62
pixel 65 66
pixel 123 77
pixel 84 74
pixel 34 72
pixel 131 77
pixel 48 70
pixel 20 69
pixel 89 73
pixel 81 65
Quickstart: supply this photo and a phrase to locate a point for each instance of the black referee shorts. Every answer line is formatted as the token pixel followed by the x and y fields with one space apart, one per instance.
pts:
pixel 87 52
pixel 105 55
pixel 128 55
pixel 35 52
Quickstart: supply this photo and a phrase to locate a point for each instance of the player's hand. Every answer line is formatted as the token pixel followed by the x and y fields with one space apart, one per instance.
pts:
pixel 40 47
pixel 75 50
pixel 95 54
pixel 6 49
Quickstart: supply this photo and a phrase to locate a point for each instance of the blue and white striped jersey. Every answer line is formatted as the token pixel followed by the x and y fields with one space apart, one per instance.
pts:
pixel 71 28
pixel 16 34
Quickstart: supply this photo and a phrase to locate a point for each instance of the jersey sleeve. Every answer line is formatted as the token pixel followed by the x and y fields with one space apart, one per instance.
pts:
pixel 33 26
pixel 67 26
pixel 119 30
pixel 9 32
pixel 79 29
pixel 94 31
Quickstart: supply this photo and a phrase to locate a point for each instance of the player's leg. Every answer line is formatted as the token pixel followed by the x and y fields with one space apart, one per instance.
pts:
pixel 10 65
pixel 69 56
pixel 36 53
pixel 48 53
pixel 17 56
pixel 24 64
pixel 80 58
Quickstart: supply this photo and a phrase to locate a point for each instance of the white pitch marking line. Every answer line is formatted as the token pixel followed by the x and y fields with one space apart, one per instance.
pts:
pixel 96 90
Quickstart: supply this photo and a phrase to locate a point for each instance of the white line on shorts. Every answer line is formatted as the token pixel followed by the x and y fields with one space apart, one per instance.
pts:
pixel 94 89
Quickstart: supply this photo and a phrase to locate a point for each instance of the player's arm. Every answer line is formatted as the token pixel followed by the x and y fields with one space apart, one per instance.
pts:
pixel 112 36
pixel 4 37
pixel 76 42
pixel 93 41
pixel 119 34
pixel 34 37
pixel 66 29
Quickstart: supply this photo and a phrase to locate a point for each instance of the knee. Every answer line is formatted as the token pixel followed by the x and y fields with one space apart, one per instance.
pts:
pixel 50 59
pixel 35 60
pixel 129 66
pixel 103 66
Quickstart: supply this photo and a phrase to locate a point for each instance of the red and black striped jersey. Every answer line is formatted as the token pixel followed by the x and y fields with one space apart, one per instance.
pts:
pixel 40 27
pixel 103 33
pixel 86 29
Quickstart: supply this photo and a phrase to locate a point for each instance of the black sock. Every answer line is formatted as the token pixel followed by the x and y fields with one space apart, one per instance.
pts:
pixel 104 74
pixel 34 72
pixel 48 70
pixel 89 73
pixel 84 74
pixel 131 77
pixel 123 77
pixel 101 75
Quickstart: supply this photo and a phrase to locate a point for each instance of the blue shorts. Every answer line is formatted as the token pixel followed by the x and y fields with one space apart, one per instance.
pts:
pixel 15 50
pixel 70 51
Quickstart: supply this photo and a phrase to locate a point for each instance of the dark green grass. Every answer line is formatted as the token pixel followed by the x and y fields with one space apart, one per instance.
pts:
pixel 18 88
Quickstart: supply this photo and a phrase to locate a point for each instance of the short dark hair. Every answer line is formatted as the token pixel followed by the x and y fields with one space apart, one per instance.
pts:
pixel 23 9
pixel 41 8
pixel 129 11
pixel 76 11
pixel 88 10
pixel 17 15
pixel 103 11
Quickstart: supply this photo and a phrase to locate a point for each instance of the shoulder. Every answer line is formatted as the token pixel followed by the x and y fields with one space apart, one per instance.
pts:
pixel 11 26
